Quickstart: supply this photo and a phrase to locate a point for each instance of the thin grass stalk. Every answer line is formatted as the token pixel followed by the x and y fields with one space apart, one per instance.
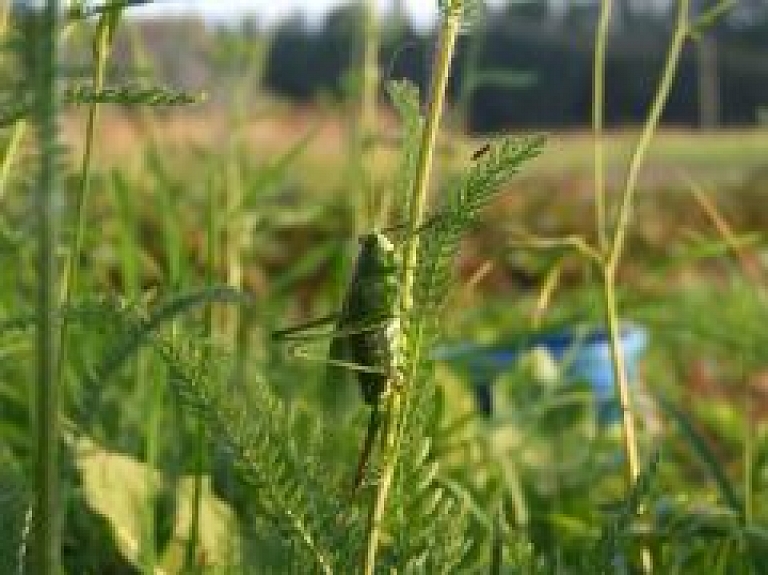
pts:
pixel 230 320
pixel 240 232
pixel 417 210
pixel 176 272
pixel 11 151
pixel 628 427
pixel 69 281
pixel 680 35
pixel 46 524
pixel 598 104
pixel 71 275
pixel 364 131
pixel 149 532
pixel 749 456
pixel 209 325
pixel 617 245
pixel 5 17
pixel 19 127
pixel 370 90
pixel 749 264
pixel 130 266
pixel 609 266
pixel 193 537
pixel 619 239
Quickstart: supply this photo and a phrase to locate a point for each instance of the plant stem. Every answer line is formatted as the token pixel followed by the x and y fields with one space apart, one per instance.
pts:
pixel 649 129
pixel 47 552
pixel 5 16
pixel 610 264
pixel 19 127
pixel 14 144
pixel 749 455
pixel 212 232
pixel 364 131
pixel 447 42
pixel 418 201
pixel 619 238
pixel 598 103
pixel 370 70
pixel 101 53
pixel 629 436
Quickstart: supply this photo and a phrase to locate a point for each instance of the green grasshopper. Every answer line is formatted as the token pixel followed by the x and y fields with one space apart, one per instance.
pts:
pixel 369 337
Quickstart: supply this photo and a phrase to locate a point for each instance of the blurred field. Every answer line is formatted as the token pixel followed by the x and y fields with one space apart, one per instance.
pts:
pixel 723 157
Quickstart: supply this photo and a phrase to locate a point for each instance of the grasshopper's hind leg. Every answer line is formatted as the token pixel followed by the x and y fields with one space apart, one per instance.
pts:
pixel 374 424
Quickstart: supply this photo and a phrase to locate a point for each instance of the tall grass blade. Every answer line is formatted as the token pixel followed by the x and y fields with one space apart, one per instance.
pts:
pixel 702 449
pixel 138 331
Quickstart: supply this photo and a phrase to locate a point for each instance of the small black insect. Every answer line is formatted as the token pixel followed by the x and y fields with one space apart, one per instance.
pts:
pixel 481 152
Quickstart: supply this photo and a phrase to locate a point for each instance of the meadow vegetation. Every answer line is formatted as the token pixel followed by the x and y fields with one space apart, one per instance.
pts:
pixel 155 244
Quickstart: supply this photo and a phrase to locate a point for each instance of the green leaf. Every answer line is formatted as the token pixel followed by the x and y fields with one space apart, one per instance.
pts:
pixel 123 490
pixel 118 487
pixel 24 106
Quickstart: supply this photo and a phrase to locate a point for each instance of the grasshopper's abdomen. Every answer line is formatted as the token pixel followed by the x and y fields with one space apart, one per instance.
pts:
pixel 379 349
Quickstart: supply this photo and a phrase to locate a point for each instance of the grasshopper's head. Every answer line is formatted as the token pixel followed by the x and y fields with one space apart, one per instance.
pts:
pixel 377 254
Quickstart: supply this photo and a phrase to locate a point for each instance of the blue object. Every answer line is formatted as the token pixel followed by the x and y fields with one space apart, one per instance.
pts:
pixel 586 355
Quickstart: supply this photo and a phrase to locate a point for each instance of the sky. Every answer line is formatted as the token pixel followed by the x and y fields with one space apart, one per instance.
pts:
pixel 422 12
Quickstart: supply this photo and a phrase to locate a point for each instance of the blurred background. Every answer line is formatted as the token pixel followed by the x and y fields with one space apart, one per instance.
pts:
pixel 545 46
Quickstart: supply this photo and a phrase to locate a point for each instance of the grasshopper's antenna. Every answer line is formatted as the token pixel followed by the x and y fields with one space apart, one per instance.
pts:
pixel 402 226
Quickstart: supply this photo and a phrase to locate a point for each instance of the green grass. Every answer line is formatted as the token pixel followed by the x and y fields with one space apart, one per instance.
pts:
pixel 192 441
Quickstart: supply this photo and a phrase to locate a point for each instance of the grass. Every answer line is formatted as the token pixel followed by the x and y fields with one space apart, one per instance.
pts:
pixel 206 230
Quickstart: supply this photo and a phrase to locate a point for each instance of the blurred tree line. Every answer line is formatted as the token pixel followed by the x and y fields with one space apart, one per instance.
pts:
pixel 525 64
pixel 540 55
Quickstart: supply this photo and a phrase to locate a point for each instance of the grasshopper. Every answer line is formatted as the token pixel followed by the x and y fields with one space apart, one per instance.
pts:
pixel 369 338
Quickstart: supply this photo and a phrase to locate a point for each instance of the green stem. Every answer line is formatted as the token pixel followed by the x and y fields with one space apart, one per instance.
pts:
pixel 617 245
pixel 610 264
pixel 598 102
pixel 417 204
pixel 5 16
pixel 212 256
pixel 649 129
pixel 152 448
pixel 749 454
pixel 370 70
pixel 20 126
pixel 14 144
pixel 69 283
pixel 620 377
pixel 394 408
pixel 47 550
pixel 364 131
